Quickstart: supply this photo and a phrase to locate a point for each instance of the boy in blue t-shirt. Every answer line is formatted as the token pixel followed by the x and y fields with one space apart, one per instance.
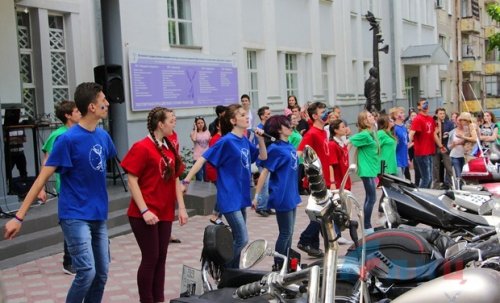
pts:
pixel 79 156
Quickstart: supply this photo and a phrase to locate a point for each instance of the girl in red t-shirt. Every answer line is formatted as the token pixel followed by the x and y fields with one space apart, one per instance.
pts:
pixel 153 166
pixel 339 153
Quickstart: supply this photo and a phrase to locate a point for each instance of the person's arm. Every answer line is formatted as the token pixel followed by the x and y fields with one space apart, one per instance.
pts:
pixel 183 216
pixel 260 184
pixel 133 184
pixel 13 226
pixel 262 144
pixel 193 135
pixel 196 167
pixel 491 138
pixel 332 178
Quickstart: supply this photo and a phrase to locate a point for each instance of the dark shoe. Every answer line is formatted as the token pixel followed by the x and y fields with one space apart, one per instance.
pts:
pixel 271 212
pixel 304 192
pixel 312 252
pixel 217 221
pixel 174 240
pixel 262 212
pixel 69 270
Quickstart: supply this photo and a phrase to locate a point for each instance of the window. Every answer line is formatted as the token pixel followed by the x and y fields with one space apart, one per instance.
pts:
pixel 491 85
pixel 57 43
pixel 325 78
pixel 253 83
pixel 291 74
pixel 26 63
pixel 180 25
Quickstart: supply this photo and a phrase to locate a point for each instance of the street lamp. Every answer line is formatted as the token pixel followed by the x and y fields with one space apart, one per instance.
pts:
pixel 372 84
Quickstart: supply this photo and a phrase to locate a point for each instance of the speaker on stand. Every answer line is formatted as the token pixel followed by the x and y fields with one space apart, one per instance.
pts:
pixel 111 78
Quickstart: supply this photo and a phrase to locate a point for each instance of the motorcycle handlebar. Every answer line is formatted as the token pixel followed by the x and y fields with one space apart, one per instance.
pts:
pixel 484 236
pixel 249 290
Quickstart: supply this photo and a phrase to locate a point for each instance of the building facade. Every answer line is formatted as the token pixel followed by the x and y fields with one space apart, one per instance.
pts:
pixel 314 49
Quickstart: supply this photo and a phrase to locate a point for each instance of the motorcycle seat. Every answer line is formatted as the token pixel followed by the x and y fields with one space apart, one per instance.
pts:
pixel 388 272
pixel 234 277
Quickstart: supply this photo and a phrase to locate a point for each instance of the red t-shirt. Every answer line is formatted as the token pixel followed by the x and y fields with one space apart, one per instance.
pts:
pixel 423 140
pixel 339 159
pixel 145 161
pixel 210 171
pixel 316 139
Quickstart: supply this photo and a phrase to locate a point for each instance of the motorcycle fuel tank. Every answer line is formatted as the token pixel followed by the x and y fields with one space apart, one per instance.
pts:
pixel 465 286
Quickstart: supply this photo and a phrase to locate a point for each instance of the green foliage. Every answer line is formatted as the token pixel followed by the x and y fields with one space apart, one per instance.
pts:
pixel 494 40
pixel 187 158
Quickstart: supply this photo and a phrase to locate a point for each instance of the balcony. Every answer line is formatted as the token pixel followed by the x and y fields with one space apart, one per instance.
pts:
pixel 471 65
pixel 492 68
pixel 470 25
pixel 492 103
pixel 471 106
pixel 490 30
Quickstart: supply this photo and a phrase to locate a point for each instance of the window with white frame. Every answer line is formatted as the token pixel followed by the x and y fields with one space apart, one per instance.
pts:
pixel 253 83
pixel 491 85
pixel 291 75
pixel 325 78
pixel 180 24
pixel 26 63
pixel 59 71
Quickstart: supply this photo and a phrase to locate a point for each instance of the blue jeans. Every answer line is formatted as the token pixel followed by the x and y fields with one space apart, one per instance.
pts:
pixel 458 165
pixel 286 223
pixel 370 198
pixel 88 245
pixel 263 196
pixel 237 222
pixel 424 164
pixel 310 236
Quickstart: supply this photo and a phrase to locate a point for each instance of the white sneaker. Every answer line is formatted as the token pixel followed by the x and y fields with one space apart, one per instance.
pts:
pixel 369 231
pixel 344 241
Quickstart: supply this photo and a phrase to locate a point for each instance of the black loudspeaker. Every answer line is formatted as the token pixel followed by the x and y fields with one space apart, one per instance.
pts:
pixel 111 79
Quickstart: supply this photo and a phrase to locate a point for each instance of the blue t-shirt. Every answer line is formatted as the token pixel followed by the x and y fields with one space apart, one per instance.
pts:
pixel 401 133
pixel 80 157
pixel 232 156
pixel 282 162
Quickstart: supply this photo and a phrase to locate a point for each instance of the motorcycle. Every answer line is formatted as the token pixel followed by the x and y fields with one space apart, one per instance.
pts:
pixel 310 284
pixel 403 203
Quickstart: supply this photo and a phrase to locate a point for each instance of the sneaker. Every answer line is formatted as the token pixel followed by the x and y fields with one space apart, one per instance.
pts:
pixel 69 270
pixel 344 241
pixel 271 212
pixel 262 212
pixel 369 231
pixel 312 252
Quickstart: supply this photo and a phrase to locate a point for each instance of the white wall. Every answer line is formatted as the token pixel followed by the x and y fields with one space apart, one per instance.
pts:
pixel 10 82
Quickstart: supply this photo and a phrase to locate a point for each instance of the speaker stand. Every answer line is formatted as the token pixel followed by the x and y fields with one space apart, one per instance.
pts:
pixel 117 173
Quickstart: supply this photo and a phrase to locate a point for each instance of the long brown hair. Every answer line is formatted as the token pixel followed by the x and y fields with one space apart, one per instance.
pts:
pixel 155 116
pixel 226 125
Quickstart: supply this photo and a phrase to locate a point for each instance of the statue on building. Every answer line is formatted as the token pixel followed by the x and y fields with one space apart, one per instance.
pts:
pixel 372 92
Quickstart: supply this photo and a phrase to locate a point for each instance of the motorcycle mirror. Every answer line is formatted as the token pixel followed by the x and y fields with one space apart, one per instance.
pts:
pixel 455 248
pixel 254 252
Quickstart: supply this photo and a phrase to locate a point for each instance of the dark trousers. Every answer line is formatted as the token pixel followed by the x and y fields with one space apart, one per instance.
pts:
pixel 153 242
pixel 310 236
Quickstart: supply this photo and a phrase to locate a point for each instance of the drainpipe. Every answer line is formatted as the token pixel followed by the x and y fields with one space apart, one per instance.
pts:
pixel 458 51
pixel 393 56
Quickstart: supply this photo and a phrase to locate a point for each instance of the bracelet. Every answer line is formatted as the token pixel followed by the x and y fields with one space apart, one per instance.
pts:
pixel 18 219
pixel 144 211
pixel 185 182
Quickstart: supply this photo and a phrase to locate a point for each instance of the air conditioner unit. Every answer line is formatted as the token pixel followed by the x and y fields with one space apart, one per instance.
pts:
pixel 439 4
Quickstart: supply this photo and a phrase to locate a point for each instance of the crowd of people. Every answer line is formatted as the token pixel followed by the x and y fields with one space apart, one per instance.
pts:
pixel 224 152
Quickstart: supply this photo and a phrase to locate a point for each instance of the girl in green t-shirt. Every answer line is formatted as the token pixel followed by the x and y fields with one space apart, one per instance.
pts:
pixel 368 162
pixel 388 144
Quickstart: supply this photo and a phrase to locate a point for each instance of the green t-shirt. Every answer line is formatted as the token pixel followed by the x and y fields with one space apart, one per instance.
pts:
pixel 388 152
pixel 367 154
pixel 49 145
pixel 295 139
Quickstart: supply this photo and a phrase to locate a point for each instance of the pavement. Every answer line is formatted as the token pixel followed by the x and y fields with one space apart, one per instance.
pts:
pixel 42 280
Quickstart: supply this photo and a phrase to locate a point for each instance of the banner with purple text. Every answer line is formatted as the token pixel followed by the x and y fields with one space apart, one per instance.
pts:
pixel 180 81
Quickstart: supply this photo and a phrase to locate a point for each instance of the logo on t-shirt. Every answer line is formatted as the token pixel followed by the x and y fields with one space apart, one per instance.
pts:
pixel 294 159
pixel 162 166
pixel 96 158
pixel 245 161
pixel 428 127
